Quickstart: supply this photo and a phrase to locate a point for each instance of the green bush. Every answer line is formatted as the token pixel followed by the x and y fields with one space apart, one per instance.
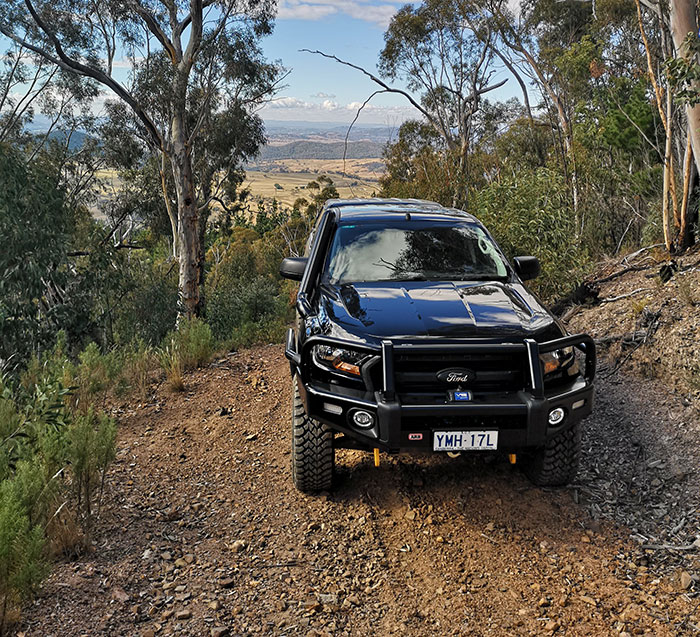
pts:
pixel 194 342
pixel 243 288
pixel 530 215
pixel 54 452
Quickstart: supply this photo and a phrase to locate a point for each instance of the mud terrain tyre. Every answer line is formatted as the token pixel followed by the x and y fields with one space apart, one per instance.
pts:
pixel 313 455
pixel 555 464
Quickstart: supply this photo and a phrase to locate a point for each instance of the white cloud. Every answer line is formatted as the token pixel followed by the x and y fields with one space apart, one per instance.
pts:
pixel 321 95
pixel 291 108
pixel 303 11
pixel 318 9
pixel 289 102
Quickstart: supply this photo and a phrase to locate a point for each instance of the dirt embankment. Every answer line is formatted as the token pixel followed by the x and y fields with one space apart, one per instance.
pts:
pixel 204 534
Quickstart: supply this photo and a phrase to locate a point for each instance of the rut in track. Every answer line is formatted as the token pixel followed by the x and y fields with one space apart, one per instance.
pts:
pixel 203 532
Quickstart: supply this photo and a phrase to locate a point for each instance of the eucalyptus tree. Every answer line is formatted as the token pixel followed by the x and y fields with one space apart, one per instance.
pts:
pixel 188 67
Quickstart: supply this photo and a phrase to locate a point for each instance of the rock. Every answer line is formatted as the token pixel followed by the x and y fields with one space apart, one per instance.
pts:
pixel 215 605
pixel 166 615
pixel 189 558
pixel 543 602
pixel 312 605
pixel 149 632
pixel 183 614
pixel 551 626
pixel 281 605
pixel 238 546
pixel 166 555
pixel 227 582
pixel 588 600
pixel 410 514
pixel 180 563
pixel 686 580
pixel 328 598
pixel 353 599
pixel 120 595
pixel 219 631
pixel 440 540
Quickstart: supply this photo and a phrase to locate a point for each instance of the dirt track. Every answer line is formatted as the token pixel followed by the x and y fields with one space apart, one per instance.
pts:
pixel 204 531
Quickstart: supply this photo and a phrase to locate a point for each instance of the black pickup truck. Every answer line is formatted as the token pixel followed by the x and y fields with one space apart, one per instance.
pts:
pixel 415 333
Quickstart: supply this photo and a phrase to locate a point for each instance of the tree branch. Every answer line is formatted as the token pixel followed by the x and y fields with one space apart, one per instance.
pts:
pixel 376 80
pixel 69 64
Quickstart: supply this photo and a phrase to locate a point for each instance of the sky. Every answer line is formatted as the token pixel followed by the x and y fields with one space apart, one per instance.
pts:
pixel 322 90
pixel 318 89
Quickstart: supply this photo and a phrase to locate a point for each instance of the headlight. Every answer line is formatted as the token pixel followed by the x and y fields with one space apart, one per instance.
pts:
pixel 336 358
pixel 554 361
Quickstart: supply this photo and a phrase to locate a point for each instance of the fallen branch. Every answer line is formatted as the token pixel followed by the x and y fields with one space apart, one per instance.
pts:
pixel 612 299
pixel 669 547
pixel 631 338
pixel 638 252
pixel 615 275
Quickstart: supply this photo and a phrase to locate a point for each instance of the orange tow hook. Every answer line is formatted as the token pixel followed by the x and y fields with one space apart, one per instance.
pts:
pixel 512 458
pixel 376 457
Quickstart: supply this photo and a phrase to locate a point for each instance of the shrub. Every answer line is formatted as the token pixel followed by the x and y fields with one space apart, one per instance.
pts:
pixel 91 448
pixel 22 562
pixel 53 461
pixel 194 342
pixel 530 215
pixel 171 362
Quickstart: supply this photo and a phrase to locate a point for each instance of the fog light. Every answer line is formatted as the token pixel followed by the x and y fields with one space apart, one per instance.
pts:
pixel 578 404
pixel 556 416
pixel 363 419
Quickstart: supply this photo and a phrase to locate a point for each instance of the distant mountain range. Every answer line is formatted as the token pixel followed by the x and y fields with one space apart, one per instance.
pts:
pixel 321 150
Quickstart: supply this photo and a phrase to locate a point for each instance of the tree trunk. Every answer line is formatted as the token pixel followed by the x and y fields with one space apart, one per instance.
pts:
pixel 684 21
pixel 188 221
pixel 168 207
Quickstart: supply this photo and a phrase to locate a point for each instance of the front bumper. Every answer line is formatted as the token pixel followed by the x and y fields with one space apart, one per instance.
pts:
pixel 521 418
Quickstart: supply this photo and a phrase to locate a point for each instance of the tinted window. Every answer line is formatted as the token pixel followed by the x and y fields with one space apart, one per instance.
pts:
pixel 413 250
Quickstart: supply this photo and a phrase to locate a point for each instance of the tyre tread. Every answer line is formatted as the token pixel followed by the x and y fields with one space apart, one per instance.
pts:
pixel 313 455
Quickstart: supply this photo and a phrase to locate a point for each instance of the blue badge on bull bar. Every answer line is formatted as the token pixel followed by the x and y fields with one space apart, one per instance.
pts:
pixel 459 395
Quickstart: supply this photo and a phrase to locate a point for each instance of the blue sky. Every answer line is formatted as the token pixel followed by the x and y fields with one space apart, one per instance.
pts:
pixel 319 89
pixel 322 90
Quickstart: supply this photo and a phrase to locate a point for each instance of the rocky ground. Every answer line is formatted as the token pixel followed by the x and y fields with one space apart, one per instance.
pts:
pixel 203 533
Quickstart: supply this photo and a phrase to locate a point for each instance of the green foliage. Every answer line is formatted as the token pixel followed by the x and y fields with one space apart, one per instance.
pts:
pixel 170 360
pixel 684 72
pixel 91 448
pixel 530 216
pixel 194 341
pixel 243 287
pixel 33 237
pixel 22 560
pixel 54 453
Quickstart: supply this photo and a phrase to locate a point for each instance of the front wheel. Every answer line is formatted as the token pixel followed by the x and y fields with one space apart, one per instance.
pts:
pixel 556 463
pixel 313 455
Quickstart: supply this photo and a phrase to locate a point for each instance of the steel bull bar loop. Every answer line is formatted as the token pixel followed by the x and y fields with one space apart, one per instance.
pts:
pixel 531 402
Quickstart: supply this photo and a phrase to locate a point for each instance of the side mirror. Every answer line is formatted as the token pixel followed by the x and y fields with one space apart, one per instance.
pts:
pixel 527 267
pixel 293 268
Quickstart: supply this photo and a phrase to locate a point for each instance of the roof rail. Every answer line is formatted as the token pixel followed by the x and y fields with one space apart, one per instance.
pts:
pixel 373 201
pixel 427 206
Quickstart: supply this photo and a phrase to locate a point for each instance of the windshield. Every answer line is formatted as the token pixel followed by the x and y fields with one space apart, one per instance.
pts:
pixel 407 250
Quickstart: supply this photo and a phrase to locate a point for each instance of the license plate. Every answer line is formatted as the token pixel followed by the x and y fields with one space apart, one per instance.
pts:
pixel 464 440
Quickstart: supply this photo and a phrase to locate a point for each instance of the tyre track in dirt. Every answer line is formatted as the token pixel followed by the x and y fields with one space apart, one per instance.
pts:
pixel 203 533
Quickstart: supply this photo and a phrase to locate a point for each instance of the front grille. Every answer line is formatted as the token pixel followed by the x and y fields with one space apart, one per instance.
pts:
pixel 416 373
pixel 422 423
